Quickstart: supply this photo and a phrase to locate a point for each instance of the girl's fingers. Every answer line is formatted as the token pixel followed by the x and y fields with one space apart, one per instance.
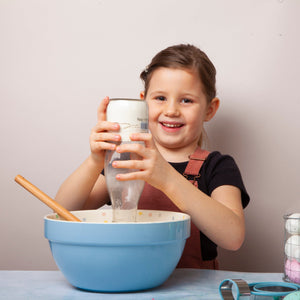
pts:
pixel 128 164
pixel 138 148
pixel 99 146
pixel 145 148
pixel 101 113
pixel 105 136
pixel 144 137
pixel 106 126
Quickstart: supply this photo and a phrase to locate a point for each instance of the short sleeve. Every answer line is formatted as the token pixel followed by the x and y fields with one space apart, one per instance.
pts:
pixel 220 170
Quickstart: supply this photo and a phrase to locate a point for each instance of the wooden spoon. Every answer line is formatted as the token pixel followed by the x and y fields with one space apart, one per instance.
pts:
pixel 60 210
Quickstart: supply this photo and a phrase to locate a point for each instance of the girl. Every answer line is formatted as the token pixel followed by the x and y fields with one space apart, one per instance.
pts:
pixel 181 95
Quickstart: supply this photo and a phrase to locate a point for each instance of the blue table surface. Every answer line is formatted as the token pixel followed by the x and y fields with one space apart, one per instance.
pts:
pixel 182 284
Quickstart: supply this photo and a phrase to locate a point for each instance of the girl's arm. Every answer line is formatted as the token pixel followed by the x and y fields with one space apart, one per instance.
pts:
pixel 77 191
pixel 86 187
pixel 220 217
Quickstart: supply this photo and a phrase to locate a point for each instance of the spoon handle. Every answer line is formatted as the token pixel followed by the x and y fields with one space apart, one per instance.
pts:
pixel 60 210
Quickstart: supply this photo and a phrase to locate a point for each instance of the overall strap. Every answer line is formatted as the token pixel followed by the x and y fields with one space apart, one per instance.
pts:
pixel 194 165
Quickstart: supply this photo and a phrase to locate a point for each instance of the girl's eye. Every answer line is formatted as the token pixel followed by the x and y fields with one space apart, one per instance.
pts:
pixel 160 98
pixel 186 100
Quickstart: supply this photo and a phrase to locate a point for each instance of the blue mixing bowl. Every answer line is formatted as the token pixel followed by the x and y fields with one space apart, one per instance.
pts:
pixel 99 255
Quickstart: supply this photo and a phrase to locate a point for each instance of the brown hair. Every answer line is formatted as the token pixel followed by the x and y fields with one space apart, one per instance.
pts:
pixel 184 57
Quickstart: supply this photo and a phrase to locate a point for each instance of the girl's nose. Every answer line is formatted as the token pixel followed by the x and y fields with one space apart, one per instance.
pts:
pixel 171 109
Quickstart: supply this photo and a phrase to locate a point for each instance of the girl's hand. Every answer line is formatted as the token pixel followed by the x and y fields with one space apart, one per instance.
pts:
pixel 153 168
pixel 103 134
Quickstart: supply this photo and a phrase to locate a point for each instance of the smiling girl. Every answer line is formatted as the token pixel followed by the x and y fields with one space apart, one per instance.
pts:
pixel 180 176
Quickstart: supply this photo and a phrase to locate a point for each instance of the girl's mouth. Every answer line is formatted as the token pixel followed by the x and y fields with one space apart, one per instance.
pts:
pixel 171 126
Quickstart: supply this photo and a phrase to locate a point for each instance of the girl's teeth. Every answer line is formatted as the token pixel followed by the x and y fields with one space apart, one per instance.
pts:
pixel 171 125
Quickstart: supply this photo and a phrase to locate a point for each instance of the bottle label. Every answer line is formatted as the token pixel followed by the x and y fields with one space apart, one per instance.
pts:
pixel 132 115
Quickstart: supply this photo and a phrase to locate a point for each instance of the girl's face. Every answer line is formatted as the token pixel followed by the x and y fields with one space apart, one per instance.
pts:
pixel 177 109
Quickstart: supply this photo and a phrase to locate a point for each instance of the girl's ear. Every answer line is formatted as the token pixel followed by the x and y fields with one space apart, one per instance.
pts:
pixel 212 109
pixel 142 95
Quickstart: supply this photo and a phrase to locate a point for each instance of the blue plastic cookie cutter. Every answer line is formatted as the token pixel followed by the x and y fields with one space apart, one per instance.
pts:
pixel 263 290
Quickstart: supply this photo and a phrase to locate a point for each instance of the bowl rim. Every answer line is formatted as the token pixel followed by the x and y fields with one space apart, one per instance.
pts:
pixel 185 217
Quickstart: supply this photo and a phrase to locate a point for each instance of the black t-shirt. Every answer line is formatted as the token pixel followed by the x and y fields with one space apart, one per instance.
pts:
pixel 217 170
